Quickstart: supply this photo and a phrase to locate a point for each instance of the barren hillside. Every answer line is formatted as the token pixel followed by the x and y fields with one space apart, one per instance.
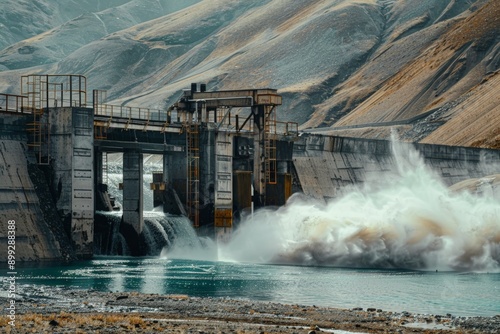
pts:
pixel 452 84
pixel 44 32
pixel 353 67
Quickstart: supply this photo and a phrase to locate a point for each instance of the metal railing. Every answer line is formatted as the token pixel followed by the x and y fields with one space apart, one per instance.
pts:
pixel 282 128
pixel 286 128
pixel 131 113
pixel 49 91
pixel 222 117
pixel 14 103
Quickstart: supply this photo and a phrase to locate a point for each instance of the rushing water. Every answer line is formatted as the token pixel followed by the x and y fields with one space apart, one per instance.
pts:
pixel 404 243
pixel 409 220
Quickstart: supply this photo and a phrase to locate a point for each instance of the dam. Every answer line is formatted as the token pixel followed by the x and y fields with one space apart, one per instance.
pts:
pixel 224 154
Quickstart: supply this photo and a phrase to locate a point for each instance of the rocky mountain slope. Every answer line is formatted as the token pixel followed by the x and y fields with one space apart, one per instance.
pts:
pixel 429 69
pixel 47 31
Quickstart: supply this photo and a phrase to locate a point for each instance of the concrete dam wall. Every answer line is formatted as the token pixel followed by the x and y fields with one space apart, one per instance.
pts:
pixel 327 166
pixel 25 199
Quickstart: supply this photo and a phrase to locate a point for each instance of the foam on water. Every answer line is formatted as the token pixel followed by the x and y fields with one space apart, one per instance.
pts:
pixel 413 221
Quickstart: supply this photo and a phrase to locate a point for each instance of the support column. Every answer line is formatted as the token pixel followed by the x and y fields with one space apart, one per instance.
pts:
pixel 98 174
pixel 82 182
pixel 223 205
pixel 133 219
pixel 259 181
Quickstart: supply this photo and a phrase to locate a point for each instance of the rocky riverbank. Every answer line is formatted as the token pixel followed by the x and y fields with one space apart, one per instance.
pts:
pixel 61 310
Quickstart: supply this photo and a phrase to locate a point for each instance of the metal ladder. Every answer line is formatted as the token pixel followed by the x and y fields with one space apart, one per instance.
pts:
pixel 193 173
pixel 38 129
pixel 270 159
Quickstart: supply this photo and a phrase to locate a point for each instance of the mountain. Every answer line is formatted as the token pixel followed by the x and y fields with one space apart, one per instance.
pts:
pixel 47 31
pixel 427 69
pixel 23 19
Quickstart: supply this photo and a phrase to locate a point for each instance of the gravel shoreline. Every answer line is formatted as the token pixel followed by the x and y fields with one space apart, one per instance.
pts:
pixel 62 310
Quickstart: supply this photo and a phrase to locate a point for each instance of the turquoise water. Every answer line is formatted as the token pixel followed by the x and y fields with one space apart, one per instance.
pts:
pixel 461 294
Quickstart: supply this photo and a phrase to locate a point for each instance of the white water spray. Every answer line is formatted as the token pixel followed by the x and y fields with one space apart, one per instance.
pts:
pixel 412 222
pixel 187 245
pixel 166 235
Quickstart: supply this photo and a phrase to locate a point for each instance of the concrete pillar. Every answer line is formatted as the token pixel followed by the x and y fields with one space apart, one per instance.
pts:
pixel 223 204
pixel 133 192
pixel 98 168
pixel 72 153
